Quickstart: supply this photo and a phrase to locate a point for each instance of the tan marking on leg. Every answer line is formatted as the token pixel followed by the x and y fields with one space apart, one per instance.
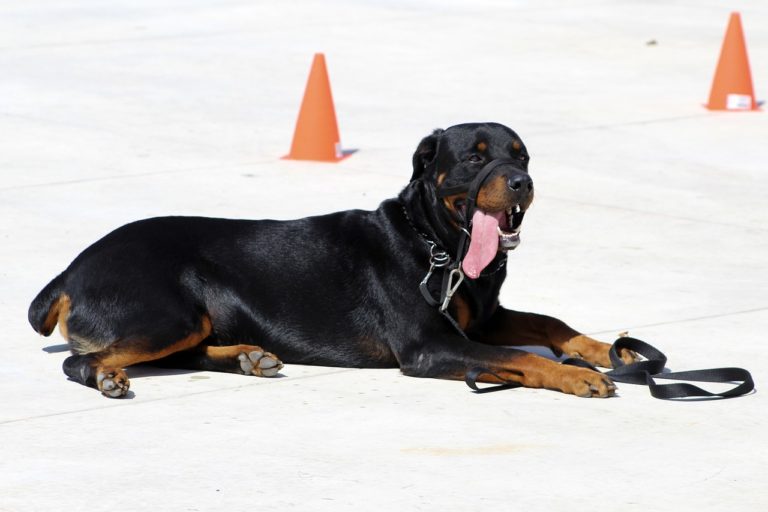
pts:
pixel 588 349
pixel 461 311
pixel 119 356
pixel 228 351
pixel 242 359
pixel 593 351
pixel 533 371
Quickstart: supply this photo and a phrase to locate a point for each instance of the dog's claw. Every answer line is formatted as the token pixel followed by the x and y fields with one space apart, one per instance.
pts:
pixel 595 391
pixel 587 384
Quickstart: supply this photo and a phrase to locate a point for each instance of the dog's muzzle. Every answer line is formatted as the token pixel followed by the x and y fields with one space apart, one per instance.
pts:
pixel 489 232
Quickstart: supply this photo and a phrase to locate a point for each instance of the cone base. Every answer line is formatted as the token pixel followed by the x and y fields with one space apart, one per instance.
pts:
pixel 344 155
pixel 720 109
pixel 756 108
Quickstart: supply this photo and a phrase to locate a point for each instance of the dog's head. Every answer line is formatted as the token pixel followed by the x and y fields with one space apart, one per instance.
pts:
pixel 449 162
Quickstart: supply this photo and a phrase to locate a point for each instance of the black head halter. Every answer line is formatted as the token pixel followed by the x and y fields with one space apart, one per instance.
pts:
pixel 453 274
pixel 472 188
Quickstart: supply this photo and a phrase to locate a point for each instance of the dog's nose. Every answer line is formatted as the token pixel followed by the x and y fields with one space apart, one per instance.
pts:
pixel 520 183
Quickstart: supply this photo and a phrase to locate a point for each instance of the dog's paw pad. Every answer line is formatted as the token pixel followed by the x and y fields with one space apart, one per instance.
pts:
pixel 113 384
pixel 259 363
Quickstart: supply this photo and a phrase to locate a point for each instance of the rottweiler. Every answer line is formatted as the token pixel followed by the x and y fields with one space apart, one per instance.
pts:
pixel 412 285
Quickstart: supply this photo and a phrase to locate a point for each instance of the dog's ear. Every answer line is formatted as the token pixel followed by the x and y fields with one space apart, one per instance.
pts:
pixel 426 151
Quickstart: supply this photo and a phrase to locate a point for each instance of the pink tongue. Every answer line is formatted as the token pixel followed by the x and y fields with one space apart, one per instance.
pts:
pixel 484 243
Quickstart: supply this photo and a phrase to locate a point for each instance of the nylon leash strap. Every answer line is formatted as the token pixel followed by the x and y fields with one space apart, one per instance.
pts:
pixel 645 373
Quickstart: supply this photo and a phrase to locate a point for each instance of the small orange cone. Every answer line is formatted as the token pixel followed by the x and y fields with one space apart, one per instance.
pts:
pixel 732 86
pixel 317 135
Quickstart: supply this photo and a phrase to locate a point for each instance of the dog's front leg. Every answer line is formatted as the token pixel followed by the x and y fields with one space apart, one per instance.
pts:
pixel 453 356
pixel 515 328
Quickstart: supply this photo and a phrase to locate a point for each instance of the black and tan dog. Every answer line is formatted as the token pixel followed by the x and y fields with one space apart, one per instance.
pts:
pixel 336 290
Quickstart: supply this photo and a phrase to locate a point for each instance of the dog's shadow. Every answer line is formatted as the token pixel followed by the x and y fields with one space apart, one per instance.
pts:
pixel 146 370
pixel 143 370
pixel 55 349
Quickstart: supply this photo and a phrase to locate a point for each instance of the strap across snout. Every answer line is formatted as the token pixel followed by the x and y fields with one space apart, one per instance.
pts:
pixel 472 188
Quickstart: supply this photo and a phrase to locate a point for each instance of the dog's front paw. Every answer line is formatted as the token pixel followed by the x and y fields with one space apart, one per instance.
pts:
pixel 259 363
pixel 113 383
pixel 590 350
pixel 587 383
pixel 626 355
pixel 595 352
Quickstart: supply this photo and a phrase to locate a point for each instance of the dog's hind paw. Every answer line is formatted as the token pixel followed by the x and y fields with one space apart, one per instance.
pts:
pixel 259 363
pixel 113 383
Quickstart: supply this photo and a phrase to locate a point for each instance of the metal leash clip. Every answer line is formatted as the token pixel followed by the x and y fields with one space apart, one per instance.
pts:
pixel 452 286
pixel 438 258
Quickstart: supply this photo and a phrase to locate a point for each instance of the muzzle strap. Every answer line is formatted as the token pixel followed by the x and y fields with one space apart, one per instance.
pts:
pixel 477 181
pixel 472 189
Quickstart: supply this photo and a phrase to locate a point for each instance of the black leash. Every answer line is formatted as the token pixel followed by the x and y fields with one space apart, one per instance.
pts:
pixel 644 373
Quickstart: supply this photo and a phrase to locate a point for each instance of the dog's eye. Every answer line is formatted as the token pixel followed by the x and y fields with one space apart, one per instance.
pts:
pixel 475 159
pixel 522 158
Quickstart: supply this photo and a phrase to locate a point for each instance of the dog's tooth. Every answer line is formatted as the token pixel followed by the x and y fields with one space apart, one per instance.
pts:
pixel 517 209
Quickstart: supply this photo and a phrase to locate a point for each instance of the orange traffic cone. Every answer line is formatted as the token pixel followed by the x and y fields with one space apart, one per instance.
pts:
pixel 317 135
pixel 732 86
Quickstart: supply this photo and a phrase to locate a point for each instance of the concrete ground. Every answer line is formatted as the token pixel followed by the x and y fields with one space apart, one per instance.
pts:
pixel 650 216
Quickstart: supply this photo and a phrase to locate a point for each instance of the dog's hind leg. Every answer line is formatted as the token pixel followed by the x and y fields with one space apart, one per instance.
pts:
pixel 104 369
pixel 242 359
